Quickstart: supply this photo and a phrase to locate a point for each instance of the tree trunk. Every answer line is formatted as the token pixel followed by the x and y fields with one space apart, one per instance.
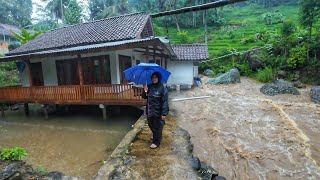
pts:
pixel 177 23
pixel 194 22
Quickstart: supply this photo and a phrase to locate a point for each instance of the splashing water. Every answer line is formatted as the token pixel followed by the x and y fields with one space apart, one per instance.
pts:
pixel 246 135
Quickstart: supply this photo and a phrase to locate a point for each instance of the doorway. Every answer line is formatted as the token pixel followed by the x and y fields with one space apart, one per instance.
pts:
pixel 37 74
pixel 124 63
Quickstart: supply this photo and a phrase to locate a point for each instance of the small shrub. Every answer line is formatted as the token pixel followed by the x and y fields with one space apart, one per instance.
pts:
pixel 13 153
pixel 265 75
pixel 13 46
pixel 244 69
pixel 158 31
pixel 183 37
pixel 273 18
pixel 288 28
pixel 248 40
pixel 42 170
pixel 298 56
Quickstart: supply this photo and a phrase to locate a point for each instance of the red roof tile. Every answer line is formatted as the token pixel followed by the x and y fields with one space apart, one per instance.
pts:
pixel 191 51
pixel 106 30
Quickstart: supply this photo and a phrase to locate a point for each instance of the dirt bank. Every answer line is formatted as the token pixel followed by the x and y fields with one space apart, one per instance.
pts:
pixel 172 160
pixel 246 135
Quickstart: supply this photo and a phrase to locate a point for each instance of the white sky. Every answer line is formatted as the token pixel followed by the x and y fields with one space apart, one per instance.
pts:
pixel 37 15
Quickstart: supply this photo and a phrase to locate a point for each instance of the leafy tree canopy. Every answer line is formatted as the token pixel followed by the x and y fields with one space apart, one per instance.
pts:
pixel 16 12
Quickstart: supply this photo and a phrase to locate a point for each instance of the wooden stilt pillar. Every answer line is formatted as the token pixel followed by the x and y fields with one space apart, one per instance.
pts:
pixel 65 108
pixel 26 109
pixel 2 110
pixel 154 55
pixel 147 55
pixel 104 111
pixel 45 110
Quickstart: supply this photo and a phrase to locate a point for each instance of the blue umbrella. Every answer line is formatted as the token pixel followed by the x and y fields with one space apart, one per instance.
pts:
pixel 141 73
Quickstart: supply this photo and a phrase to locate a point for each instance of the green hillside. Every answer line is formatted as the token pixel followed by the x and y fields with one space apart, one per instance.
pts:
pixel 241 24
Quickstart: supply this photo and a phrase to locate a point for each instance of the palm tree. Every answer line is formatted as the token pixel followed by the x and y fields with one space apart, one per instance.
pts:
pixel 56 8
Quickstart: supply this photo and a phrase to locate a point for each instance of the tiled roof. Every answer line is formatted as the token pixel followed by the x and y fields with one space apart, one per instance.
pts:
pixel 192 52
pixel 6 29
pixel 106 30
pixel 102 47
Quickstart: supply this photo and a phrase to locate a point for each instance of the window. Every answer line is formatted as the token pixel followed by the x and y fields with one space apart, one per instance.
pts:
pixel 158 61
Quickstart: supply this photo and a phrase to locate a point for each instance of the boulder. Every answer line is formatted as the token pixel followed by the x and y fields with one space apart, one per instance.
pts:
pixel 55 175
pixel 315 94
pixel 208 72
pixel 279 87
pixel 219 178
pixel 195 163
pixel 254 62
pixel 14 170
pixel 282 74
pixel 298 84
pixel 207 172
pixel 230 77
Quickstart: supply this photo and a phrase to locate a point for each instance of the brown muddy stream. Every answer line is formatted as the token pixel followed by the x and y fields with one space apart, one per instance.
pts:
pixel 74 143
pixel 247 135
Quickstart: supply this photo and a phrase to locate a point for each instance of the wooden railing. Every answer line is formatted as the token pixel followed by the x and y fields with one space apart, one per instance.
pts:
pixel 87 94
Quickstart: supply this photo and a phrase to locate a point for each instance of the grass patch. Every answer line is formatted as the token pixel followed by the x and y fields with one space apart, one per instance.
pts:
pixel 265 75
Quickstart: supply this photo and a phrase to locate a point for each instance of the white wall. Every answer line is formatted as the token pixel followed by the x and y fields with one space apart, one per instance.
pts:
pixel 50 72
pixel 24 77
pixel 114 68
pixel 182 72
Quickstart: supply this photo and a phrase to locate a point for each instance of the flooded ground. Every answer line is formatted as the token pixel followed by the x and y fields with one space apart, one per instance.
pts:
pixel 247 135
pixel 73 143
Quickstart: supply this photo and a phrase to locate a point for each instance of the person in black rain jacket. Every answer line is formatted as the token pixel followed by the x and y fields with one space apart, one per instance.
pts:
pixel 157 107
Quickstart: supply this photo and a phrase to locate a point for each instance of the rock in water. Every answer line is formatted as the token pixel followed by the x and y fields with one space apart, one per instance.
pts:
pixel 254 62
pixel 16 170
pixel 298 84
pixel 207 172
pixel 315 94
pixel 195 163
pixel 282 74
pixel 230 77
pixel 279 87
pixel 208 72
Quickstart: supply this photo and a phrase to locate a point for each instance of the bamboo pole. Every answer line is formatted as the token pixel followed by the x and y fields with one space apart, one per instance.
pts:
pixel 215 4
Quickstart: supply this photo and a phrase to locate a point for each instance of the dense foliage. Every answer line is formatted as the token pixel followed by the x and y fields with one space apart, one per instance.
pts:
pixel 13 153
pixel 73 13
pixel 16 12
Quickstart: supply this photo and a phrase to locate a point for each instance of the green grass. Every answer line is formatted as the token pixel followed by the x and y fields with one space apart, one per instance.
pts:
pixel 265 75
pixel 247 21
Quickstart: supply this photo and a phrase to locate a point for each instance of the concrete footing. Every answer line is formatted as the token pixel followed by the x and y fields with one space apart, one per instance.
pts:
pixel 104 111
pixel 2 110
pixel 26 109
pixel 45 110
pixel 116 158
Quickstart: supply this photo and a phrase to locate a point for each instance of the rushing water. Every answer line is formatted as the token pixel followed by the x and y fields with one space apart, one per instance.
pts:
pixel 75 143
pixel 247 135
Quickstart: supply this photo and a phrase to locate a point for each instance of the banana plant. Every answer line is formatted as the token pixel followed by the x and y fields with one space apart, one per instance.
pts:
pixel 26 36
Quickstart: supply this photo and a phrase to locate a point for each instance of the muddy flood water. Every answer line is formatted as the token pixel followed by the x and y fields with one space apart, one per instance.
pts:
pixel 75 143
pixel 247 135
